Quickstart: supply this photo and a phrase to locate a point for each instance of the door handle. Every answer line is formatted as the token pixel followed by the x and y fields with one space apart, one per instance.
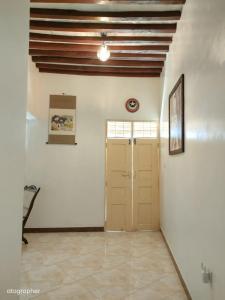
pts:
pixel 125 174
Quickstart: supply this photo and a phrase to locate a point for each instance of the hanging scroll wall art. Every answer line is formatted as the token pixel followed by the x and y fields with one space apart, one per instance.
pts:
pixel 62 121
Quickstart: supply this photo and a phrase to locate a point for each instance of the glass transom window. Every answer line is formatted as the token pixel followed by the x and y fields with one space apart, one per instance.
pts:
pixel 118 129
pixel 145 129
pixel 128 129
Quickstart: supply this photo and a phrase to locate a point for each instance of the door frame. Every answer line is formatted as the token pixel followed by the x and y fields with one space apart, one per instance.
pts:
pixel 105 159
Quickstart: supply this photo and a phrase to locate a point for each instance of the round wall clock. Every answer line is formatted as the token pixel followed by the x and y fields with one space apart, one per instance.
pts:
pixel 132 105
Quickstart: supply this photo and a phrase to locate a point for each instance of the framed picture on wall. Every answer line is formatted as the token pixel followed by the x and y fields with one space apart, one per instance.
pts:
pixel 62 120
pixel 176 118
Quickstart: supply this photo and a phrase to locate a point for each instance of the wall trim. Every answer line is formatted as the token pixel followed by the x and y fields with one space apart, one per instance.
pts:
pixel 63 229
pixel 177 268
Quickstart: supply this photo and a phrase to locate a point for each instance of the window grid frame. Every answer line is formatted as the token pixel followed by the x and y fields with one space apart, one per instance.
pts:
pixel 154 129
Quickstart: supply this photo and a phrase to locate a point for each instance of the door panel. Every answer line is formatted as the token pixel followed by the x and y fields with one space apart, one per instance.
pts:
pixel 144 154
pixel 145 185
pixel 145 193
pixel 144 215
pixel 118 185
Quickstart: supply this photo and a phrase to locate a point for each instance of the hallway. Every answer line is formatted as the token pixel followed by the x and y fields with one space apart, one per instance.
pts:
pixel 101 265
pixel 113 118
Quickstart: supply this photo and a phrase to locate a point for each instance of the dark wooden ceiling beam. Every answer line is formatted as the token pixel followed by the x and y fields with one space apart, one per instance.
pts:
pixel 99 39
pixel 72 72
pixel 98 15
pixel 86 54
pixel 111 1
pixel 86 61
pixel 101 27
pixel 98 68
pixel 79 47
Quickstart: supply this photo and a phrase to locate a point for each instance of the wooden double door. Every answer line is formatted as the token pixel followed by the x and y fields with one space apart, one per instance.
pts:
pixel 132 184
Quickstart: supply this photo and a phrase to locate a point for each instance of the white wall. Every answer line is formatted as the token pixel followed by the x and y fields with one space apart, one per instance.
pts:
pixel 72 177
pixel 192 185
pixel 13 76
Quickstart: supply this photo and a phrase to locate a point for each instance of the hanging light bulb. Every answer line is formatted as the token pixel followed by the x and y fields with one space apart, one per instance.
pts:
pixel 103 53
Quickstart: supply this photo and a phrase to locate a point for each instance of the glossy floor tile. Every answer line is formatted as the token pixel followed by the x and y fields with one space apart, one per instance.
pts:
pixel 99 266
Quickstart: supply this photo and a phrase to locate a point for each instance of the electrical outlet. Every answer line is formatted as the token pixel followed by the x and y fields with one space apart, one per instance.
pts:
pixel 206 274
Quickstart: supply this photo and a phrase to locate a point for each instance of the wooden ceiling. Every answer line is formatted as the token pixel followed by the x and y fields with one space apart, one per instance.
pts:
pixel 65 36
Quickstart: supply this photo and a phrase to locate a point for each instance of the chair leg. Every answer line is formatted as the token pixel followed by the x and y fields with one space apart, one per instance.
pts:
pixel 25 240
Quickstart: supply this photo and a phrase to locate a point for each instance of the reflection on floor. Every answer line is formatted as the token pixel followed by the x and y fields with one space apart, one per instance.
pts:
pixel 99 266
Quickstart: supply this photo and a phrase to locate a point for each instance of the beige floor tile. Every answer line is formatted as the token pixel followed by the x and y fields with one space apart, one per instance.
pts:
pixel 99 266
pixel 145 294
pixel 68 292
pixel 44 278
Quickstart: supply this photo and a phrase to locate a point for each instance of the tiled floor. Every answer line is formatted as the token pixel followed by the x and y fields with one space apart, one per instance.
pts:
pixel 99 266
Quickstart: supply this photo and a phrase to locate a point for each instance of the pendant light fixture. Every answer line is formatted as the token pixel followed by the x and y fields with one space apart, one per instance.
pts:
pixel 103 53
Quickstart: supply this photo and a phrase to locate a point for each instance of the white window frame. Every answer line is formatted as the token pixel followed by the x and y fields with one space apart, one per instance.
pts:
pixel 132 128
pixel 118 137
